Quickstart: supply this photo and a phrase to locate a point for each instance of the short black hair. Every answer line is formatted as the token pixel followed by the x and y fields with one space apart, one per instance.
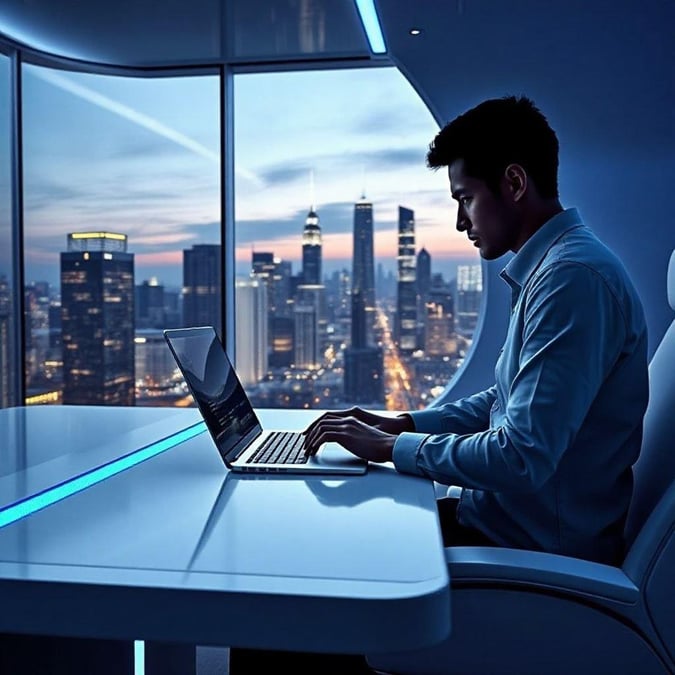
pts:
pixel 496 133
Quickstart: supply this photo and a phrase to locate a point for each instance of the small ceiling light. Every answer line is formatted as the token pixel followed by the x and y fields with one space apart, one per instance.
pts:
pixel 415 31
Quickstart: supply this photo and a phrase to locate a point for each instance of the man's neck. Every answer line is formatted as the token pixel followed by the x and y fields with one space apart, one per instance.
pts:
pixel 537 216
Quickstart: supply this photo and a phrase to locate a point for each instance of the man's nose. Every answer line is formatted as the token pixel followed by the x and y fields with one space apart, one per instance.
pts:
pixel 462 223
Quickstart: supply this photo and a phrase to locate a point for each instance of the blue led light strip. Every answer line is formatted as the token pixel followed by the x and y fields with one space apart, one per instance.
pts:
pixel 55 494
pixel 371 24
pixel 139 657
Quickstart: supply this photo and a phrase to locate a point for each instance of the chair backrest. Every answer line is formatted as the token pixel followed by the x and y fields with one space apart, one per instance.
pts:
pixel 654 472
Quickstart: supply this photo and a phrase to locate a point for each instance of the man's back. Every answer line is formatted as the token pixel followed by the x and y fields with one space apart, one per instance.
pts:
pixel 572 391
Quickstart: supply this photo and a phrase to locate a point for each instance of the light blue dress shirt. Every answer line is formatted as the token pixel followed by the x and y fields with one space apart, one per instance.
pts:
pixel 544 455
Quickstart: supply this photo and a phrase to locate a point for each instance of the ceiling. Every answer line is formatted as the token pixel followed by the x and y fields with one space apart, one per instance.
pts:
pixel 613 59
pixel 150 33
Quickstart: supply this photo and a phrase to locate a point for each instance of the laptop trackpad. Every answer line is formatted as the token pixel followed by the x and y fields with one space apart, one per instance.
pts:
pixel 333 454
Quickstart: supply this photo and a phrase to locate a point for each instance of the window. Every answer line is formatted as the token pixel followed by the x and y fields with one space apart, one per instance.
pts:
pixel 7 303
pixel 353 286
pixel 122 228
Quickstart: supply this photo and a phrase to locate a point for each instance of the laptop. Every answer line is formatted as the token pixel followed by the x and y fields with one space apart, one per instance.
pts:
pixel 230 419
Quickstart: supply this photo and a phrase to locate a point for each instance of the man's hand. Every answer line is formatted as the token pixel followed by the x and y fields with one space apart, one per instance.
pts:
pixel 363 433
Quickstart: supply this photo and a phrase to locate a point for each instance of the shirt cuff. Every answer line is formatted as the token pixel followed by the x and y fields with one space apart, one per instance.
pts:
pixel 406 449
pixel 428 420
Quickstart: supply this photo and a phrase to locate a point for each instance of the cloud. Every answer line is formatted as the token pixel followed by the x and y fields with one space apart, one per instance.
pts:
pixel 42 194
pixel 287 173
pixel 381 161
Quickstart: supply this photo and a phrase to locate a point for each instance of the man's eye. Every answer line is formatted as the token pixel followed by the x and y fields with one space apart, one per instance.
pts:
pixel 464 200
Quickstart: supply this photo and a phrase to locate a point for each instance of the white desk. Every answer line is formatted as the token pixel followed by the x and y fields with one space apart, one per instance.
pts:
pixel 43 446
pixel 177 549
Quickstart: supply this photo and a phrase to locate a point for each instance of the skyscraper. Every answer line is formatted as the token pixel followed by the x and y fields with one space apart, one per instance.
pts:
pixel 310 293
pixel 423 288
pixel 306 337
pixel 364 364
pixel 363 266
pixel 97 319
pixel 311 250
pixel 439 315
pixel 364 381
pixel 282 329
pixel 150 305
pixel 202 278
pixel 251 328
pixel 406 302
pixel 469 293
pixel 423 273
pixel 276 274
pixel 155 367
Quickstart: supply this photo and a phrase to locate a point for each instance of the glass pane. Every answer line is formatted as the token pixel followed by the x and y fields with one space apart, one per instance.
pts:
pixel 7 303
pixel 353 286
pixel 122 231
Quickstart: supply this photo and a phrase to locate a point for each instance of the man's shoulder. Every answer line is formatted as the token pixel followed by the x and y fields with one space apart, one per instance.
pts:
pixel 580 258
pixel 579 252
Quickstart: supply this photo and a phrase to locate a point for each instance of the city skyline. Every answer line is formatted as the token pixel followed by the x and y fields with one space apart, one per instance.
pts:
pixel 141 157
pixel 313 344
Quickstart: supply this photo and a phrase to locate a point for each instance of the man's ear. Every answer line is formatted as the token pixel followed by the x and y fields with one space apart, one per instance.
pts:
pixel 515 178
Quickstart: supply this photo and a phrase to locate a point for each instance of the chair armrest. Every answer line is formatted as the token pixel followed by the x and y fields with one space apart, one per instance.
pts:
pixel 490 565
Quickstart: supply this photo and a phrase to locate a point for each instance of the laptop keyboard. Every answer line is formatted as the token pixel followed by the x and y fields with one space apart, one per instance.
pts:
pixel 281 447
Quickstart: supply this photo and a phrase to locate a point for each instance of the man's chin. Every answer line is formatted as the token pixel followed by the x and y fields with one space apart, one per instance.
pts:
pixel 487 254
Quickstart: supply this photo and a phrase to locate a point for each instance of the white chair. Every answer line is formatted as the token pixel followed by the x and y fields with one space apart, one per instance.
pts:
pixel 526 612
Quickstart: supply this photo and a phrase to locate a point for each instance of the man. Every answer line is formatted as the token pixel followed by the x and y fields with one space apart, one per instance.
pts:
pixel 544 456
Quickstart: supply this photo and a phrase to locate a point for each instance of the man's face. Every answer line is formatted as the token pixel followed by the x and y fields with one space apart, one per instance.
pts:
pixel 490 220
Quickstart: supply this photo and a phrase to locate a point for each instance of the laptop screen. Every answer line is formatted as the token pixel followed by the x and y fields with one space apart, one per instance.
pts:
pixel 214 385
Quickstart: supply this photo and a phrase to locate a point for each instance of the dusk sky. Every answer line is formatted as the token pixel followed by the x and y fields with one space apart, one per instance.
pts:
pixel 140 156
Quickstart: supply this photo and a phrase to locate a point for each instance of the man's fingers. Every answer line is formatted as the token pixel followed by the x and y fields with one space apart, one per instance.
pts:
pixel 327 430
pixel 320 420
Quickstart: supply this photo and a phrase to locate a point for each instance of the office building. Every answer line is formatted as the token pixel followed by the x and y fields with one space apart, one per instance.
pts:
pixel 306 336
pixel 276 274
pixel 363 265
pixel 406 332
pixel 469 294
pixel 263 264
pixel 311 250
pixel 150 304
pixel 423 288
pixel 423 273
pixel 439 319
pixel 251 327
pixel 155 369
pixel 282 329
pixel 202 281
pixel 310 292
pixel 97 319
pixel 364 365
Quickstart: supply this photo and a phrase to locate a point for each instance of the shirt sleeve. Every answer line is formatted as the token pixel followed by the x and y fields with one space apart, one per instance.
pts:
pixel 466 415
pixel 572 334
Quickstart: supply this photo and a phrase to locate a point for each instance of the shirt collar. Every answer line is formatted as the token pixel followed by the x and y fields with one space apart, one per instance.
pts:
pixel 520 267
